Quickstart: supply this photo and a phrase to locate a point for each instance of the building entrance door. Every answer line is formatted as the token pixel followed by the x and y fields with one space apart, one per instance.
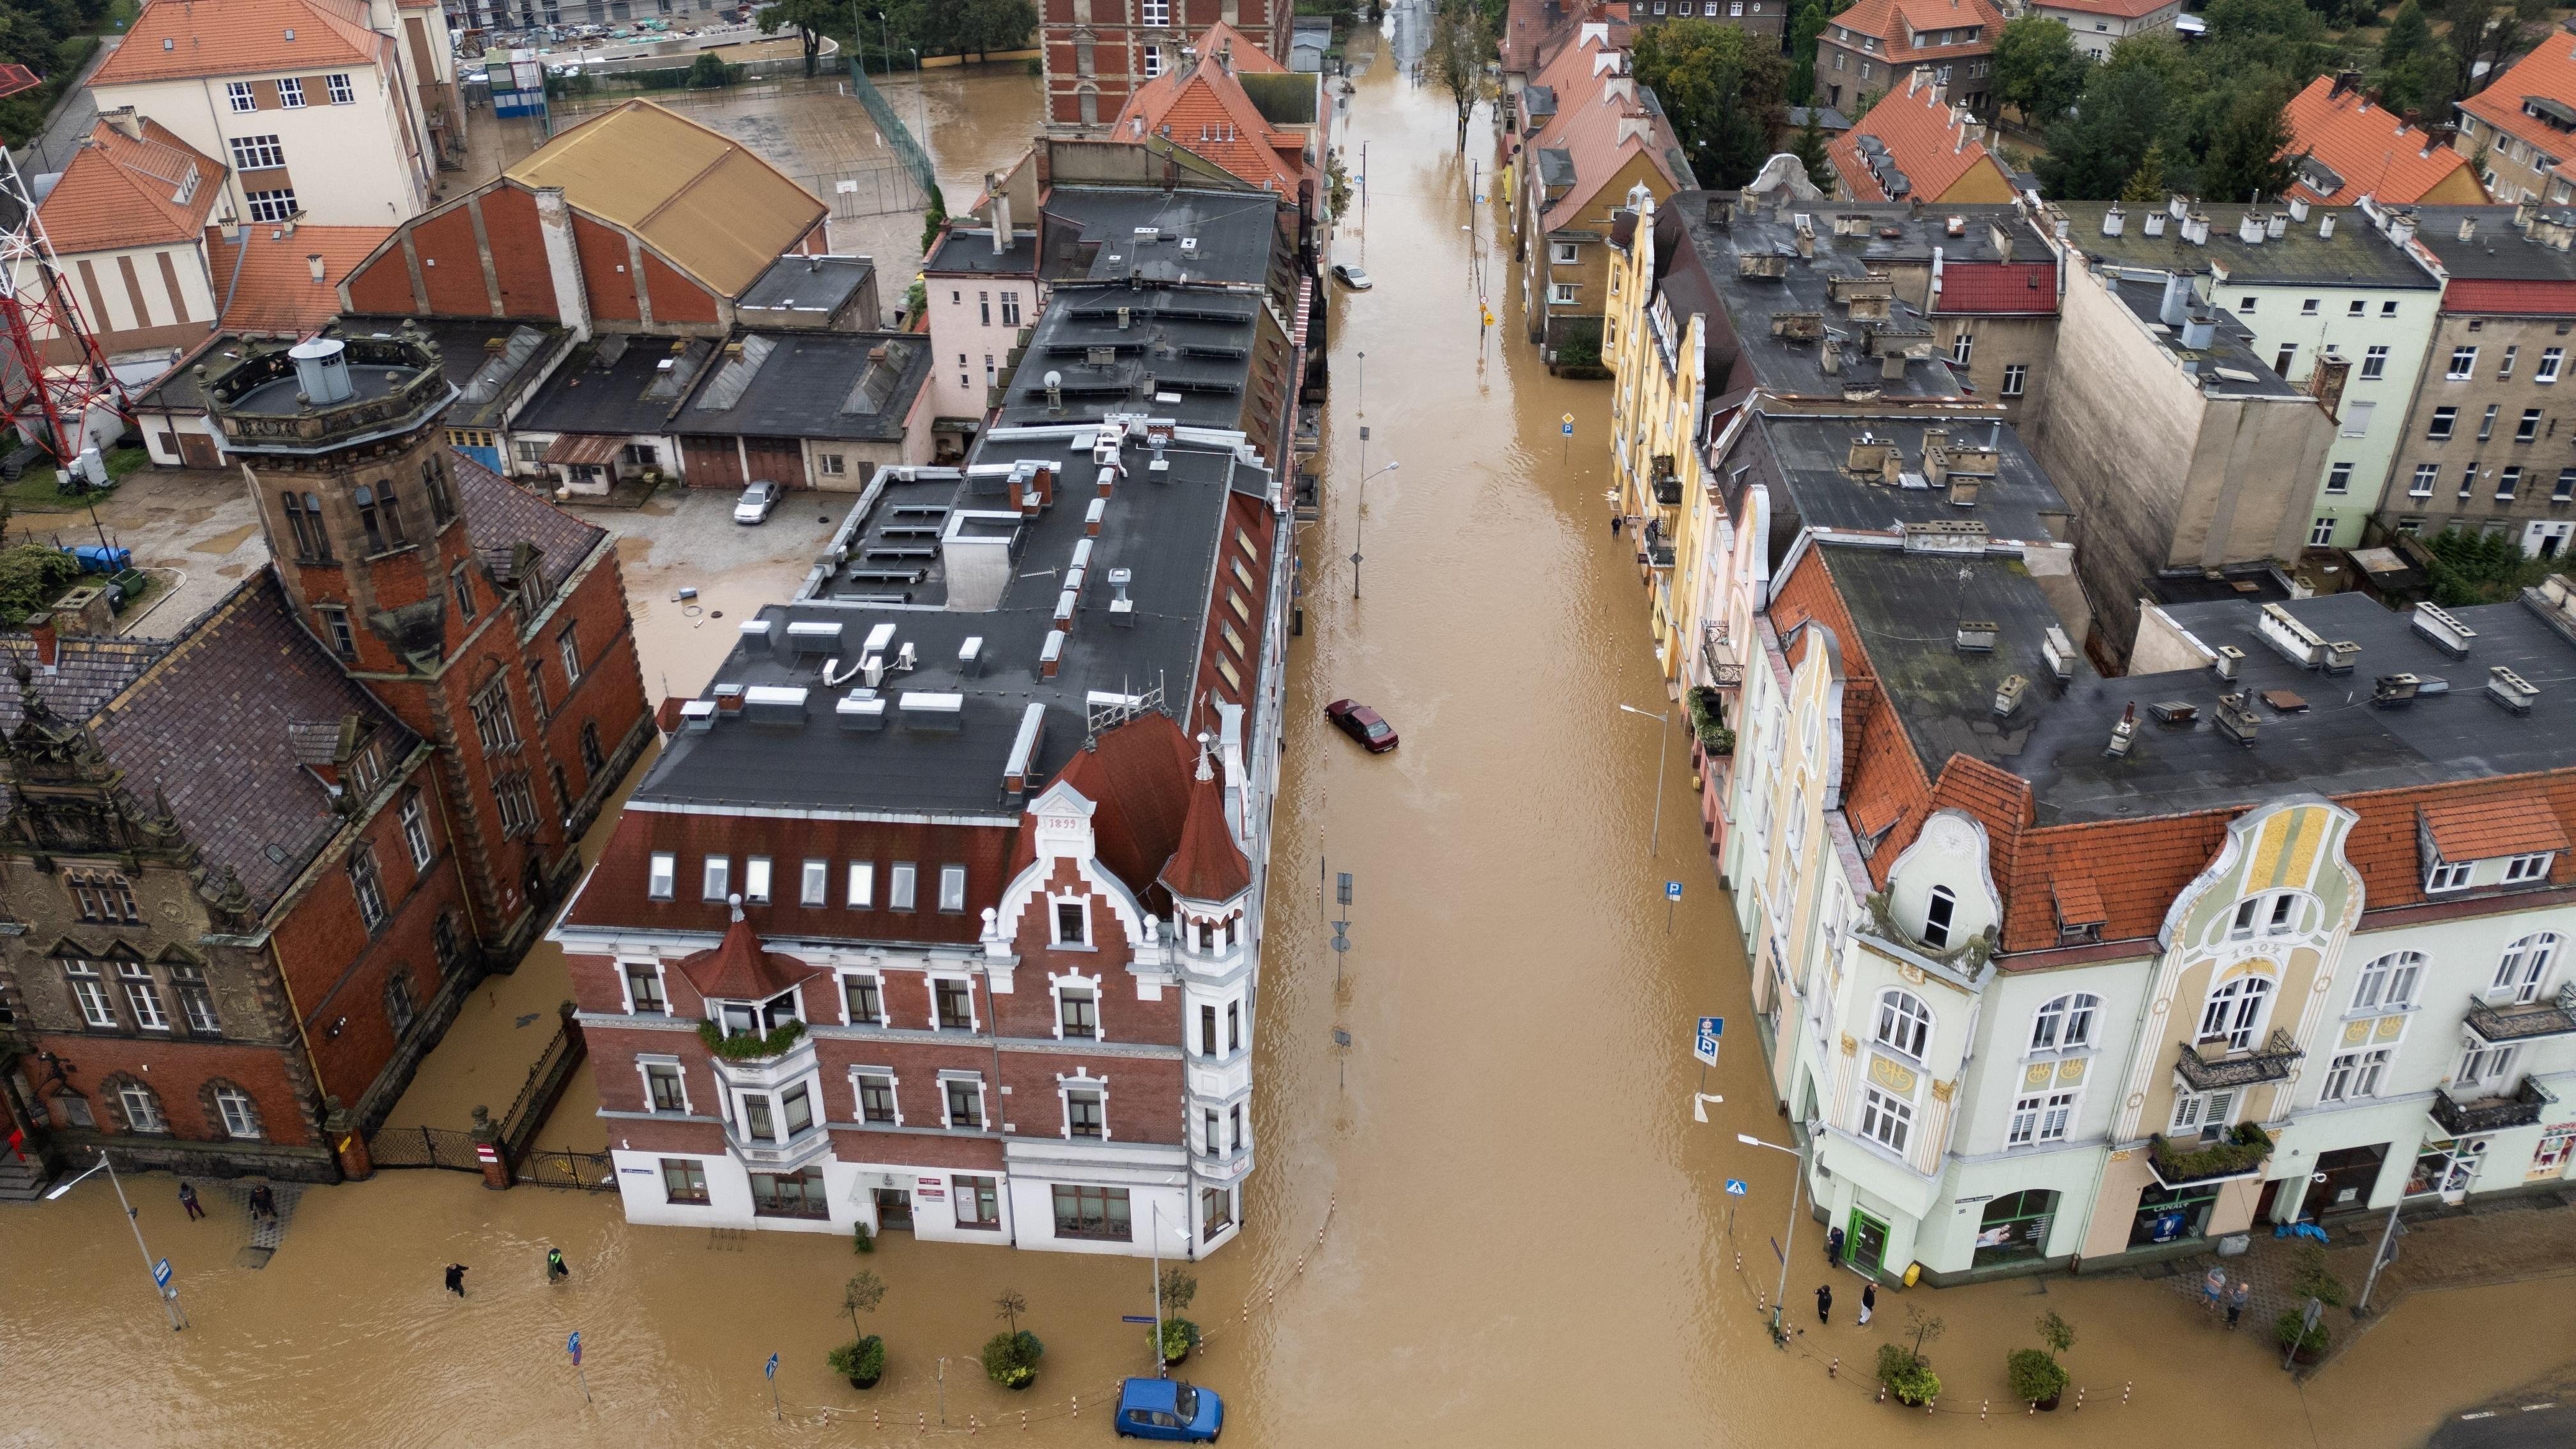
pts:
pixel 1866 1244
pixel 894 1209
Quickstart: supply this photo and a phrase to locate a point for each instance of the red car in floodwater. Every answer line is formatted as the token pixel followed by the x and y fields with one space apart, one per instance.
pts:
pixel 1362 724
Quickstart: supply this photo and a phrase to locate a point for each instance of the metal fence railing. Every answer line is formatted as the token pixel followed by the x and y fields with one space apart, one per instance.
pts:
pixel 424 1147
pixel 907 147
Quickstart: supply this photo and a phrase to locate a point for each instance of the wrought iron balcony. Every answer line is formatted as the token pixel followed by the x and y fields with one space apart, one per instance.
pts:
pixel 2269 1062
pixel 1717 651
pixel 2491 1114
pixel 1667 484
pixel 2499 1025
pixel 1659 545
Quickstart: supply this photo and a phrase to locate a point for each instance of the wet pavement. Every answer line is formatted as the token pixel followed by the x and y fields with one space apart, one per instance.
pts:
pixel 1488 1221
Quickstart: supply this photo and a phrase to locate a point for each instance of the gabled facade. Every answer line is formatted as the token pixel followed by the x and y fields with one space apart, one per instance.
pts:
pixel 1915 146
pixel 2517 132
pixel 125 218
pixel 1868 50
pixel 1100 52
pixel 2097 25
pixel 2345 146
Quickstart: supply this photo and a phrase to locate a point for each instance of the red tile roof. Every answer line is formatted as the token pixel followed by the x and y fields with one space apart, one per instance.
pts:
pixel 176 39
pixel 1203 109
pixel 2547 73
pixel 272 291
pixel 1207 865
pixel 2124 9
pixel 2489 829
pixel 1924 136
pixel 1602 129
pixel 2372 150
pixel 737 969
pixel 1987 287
pixel 1897 22
pixel 125 191
pixel 1137 777
pixel 2500 294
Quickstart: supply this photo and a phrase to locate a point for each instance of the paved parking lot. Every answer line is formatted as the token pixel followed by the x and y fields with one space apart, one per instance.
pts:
pixel 687 539
pixel 196 531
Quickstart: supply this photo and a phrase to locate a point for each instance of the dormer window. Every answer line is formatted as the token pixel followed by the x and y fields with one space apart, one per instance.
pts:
pixel 1937 915
pixel 2522 869
pixel 2445 876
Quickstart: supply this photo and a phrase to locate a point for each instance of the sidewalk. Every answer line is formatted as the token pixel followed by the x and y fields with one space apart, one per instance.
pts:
pixel 75 113
pixel 2508 1240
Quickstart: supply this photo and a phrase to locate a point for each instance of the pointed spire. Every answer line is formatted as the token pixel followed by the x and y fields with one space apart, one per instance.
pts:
pixel 1204 772
pixel 733 903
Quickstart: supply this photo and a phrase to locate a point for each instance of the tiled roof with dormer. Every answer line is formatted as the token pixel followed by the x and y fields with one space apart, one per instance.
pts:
pixel 1920 137
pixel 2353 147
pixel 121 190
pixel 1895 23
pixel 183 39
pixel 2544 79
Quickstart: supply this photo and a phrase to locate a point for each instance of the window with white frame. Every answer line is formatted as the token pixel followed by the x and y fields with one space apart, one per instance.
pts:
pixel 239 1113
pixel 342 94
pixel 952 888
pixel 877 1103
pixel 660 879
pixel 2339 478
pixel 863 885
pixel 863 998
pixel 644 989
pixel 2547 371
pixel 1085 1114
pixel 2464 364
pixel 2235 1011
pixel 1156 13
pixel 664 1089
pixel 1938 913
pixel 814 883
pixel 2016 374
pixel 1153 61
pixel 2374 362
pixel 196 1003
pixel 2040 1117
pixel 240 96
pixel 2206 1114
pixel 757 1018
pixel 1077 1012
pixel 1886 1119
pixel 290 93
pixel 796 1107
pixel 1961 346
pixel 2354 1076
pixel 257 153
pixel 900 885
pixel 1072 923
pixel 142 1108
pixel 2524 967
pixel 415 827
pixel 1904 1022
pixel 965 1102
pixel 1561 294
pixel 2065 1023
pixel 952 1003
pixel 1564 254
pixel 2522 868
pixel 2445 876
pixel 143 995
pixel 90 994
pixel 755 880
pixel 2484 1067
pixel 716 878
pixel 2275 913
pixel 2388 984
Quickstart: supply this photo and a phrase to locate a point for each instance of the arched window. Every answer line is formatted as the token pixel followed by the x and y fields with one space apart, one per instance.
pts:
pixel 2525 965
pixel 138 1104
pixel 234 1110
pixel 2388 984
pixel 1937 914
pixel 1904 1022
pixel 2064 1023
pixel 2235 1011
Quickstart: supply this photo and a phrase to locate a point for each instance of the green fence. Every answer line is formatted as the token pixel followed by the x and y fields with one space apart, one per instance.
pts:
pixel 907 149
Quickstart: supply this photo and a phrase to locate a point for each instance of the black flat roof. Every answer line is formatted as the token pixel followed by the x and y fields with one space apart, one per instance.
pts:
pixel 617 384
pixel 2228 366
pixel 947 729
pixel 2016 500
pixel 854 385
pixel 1182 354
pixel 970 250
pixel 802 283
pixel 490 360
pixel 1163 236
pixel 2494 250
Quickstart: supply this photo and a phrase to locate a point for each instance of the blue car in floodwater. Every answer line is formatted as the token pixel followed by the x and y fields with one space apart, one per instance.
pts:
pixel 1169 1409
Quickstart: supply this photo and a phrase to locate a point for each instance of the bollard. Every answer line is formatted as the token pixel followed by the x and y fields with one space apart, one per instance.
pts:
pixel 1834 1370
pixel 1931 1404
pixel 1762 1299
pixel 1024 1421
pixel 1077 1406
pixel 921 1422
pixel 876 1420
pixel 2033 1411
pixel 1882 1393
pixel 2124 1392
pixel 1301 1266
pixel 2079 1401
pixel 1247 1310
pixel 973 1428
pixel 1982 1406
pixel 1739 1261
pixel 1270 1297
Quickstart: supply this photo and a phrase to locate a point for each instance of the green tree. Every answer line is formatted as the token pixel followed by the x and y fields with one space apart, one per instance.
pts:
pixel 2094 152
pixel 985 26
pixel 807 17
pixel 933 219
pixel 707 71
pixel 1461 44
pixel 1810 22
pixel 2409 34
pixel 2246 160
pixel 2147 184
pixel 1809 146
pixel 2487 33
pixel 1720 89
pixel 2038 70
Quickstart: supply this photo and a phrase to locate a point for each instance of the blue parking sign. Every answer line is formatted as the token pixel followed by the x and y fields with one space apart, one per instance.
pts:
pixel 1704 1041
pixel 1672 890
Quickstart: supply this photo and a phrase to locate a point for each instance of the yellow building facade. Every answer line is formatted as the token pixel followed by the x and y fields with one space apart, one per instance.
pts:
pixel 1667 512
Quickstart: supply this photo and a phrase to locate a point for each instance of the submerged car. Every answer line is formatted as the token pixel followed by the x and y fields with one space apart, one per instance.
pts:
pixel 756 502
pixel 1362 724
pixel 1355 278
pixel 1169 1409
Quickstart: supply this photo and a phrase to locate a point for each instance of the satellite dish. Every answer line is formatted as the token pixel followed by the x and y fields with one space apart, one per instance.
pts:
pixel 1054 378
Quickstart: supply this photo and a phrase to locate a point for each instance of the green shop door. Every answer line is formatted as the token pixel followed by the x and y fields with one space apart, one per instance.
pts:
pixel 1865 1245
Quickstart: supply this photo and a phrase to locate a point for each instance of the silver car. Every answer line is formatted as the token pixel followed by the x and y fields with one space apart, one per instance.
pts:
pixel 757 502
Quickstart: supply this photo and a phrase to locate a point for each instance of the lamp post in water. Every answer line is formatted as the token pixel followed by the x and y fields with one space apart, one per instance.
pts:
pixel 1779 1300
pixel 168 1295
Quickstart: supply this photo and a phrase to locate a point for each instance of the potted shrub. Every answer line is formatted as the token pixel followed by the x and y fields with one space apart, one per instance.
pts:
pixel 1011 1356
pixel 2305 1347
pixel 861 1240
pixel 1179 1337
pixel 1906 1376
pixel 2036 1377
pixel 862 1362
pixel 1176 1288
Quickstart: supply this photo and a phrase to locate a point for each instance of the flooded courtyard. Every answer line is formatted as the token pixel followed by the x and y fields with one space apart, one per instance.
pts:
pixel 1487 1220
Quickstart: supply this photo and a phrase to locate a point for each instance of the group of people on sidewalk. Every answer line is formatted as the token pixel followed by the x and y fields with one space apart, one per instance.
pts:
pixel 557 1271
pixel 2215 1292
pixel 263 1204
pixel 1825 1291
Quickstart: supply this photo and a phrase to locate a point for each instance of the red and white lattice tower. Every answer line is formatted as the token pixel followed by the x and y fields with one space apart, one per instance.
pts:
pixel 52 405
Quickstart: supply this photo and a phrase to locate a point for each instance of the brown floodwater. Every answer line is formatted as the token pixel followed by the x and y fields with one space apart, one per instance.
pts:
pixel 1488 1221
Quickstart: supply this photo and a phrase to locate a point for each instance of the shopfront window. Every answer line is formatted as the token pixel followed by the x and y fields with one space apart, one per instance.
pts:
pixel 2171 1214
pixel 789 1194
pixel 2015 1226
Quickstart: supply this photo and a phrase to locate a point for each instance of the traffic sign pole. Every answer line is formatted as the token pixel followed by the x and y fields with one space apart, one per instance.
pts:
pixel 771 1373
pixel 572 1345
pixel 1567 427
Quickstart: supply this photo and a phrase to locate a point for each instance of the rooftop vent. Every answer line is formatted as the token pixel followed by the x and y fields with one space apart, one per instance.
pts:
pixel 2297 642
pixel 2059 651
pixel 1092 516
pixel 1024 749
pixel 2230 660
pixel 2340 656
pixel 2199 329
pixel 2153 224
pixel 2123 734
pixel 2008 696
pixel 2237 720
pixel 1975 636
pixel 2394 691
pixel 774 704
pixel 2511 690
pixel 2174 712
pixel 2447 633
pixel 698 714
pixel 860 709
pixel 2284 701
pixel 1051 654
pixel 2114 221
pixel 931 710
pixel 970 657
pixel 810 637
pixel 1122 609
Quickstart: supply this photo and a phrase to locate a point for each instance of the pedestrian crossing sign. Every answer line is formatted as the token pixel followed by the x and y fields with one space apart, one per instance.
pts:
pixel 1735 1187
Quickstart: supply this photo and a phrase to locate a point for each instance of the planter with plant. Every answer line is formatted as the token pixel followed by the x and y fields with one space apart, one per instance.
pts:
pixel 1011 1356
pixel 2305 1345
pixel 861 1362
pixel 1707 722
pixel 1902 1367
pixel 1179 1337
pixel 2037 1377
pixel 750 1046
pixel 1175 1289
pixel 861 1240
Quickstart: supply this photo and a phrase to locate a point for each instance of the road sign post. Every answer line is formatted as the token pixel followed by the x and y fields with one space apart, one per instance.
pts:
pixel 771 1373
pixel 1672 898
pixel 572 1345
pixel 161 1273
pixel 1567 427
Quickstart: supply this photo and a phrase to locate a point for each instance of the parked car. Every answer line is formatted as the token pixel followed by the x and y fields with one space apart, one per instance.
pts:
pixel 1169 1409
pixel 1355 278
pixel 757 502
pixel 1362 724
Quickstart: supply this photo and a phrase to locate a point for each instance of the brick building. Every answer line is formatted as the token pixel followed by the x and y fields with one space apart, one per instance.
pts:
pixel 1098 52
pixel 251 871
pixel 1866 51
pixel 940 910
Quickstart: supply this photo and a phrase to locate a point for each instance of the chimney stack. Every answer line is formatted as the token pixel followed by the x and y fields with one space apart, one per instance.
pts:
pixel 1001 214
pixel 313 262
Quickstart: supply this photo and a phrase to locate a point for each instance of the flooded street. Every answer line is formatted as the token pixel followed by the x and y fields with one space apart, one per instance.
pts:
pixel 1487 1221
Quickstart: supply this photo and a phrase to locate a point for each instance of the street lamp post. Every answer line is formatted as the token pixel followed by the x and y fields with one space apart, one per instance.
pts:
pixel 1779 1300
pixel 1655 842
pixel 169 1296
pixel 1359 520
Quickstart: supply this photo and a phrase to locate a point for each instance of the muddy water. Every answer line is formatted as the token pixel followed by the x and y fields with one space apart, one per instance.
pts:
pixel 1529 1244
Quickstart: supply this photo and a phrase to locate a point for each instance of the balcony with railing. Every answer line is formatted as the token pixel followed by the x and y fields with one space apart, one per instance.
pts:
pixel 2207 1070
pixel 2529 1021
pixel 2468 1117
pixel 1667 483
pixel 1725 670
pixel 2240 1152
pixel 762 1155
pixel 1659 545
